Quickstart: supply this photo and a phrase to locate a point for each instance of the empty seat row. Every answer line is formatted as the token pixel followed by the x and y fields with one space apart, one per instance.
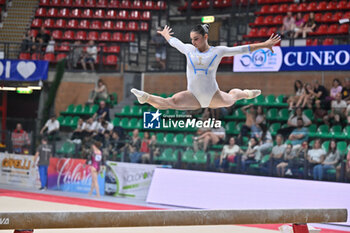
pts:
pixel 93 35
pixel 205 4
pixel 123 4
pixel 316 42
pixel 94 25
pixel 304 7
pixel 89 14
pixel 319 17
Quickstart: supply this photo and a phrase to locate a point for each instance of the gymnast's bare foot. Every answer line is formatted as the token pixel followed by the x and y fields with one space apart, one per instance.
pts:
pixel 252 93
pixel 142 96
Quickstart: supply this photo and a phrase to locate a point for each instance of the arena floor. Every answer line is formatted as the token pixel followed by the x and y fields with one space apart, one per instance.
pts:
pixel 14 199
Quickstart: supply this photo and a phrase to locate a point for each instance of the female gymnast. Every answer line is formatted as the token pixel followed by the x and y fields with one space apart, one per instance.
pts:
pixel 96 160
pixel 202 63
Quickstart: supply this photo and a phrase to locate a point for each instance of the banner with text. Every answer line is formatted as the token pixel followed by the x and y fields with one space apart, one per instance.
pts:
pixel 72 175
pixel 128 179
pixel 18 170
pixel 306 58
pixel 27 71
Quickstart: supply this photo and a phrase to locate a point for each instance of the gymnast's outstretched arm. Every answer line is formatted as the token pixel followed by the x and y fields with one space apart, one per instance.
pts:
pixel 174 42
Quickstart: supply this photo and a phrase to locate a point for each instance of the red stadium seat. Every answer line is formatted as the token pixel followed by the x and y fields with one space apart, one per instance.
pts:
pixel 273 9
pixel 24 56
pixel 283 8
pixel 52 13
pixel 68 35
pixel 195 5
pixel 90 3
pixel 88 13
pixel 50 57
pixel 40 12
pixel 293 7
pixel 137 4
pixel 120 25
pixel 327 17
pixel 258 21
pixel 318 17
pixel 311 42
pixel 102 4
pixel 227 60
pixel 132 26
pixel 144 26
pixel 37 23
pixel 264 10
pixel 44 3
pixel 271 31
pixel 161 5
pixel 36 56
pixel 110 60
pixel 312 6
pixel 64 13
pixel 60 23
pixel 64 47
pixel 33 32
pixel 337 16
pixel 146 15
pixel 113 4
pixel 328 41
pixel 149 5
pixel 125 4
pixel 322 6
pixel 80 35
pixel 129 37
pixel 111 14
pixel 60 56
pixel 204 4
pixel 268 20
pixel 108 25
pixel 262 32
pixel 76 13
pixel 344 29
pixel 134 15
pixel 92 36
pixel 49 23
pixel 331 6
pixel 123 14
pixel 302 7
pixel 278 19
pixel 78 3
pixel 57 34
pixel 252 33
pixel 67 3
pixel 55 3
pixel 105 36
pixel 96 25
pixel 117 37
pixel 321 30
pixel 341 5
pixel 184 7
pixel 346 15
pixel 72 24
pixel 113 49
pixel 84 24
pixel 99 14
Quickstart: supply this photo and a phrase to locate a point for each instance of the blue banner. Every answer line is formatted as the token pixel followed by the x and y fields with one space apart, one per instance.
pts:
pixel 306 58
pixel 25 71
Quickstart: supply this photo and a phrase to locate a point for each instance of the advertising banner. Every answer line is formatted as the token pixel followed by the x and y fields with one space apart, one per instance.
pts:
pixel 305 58
pixel 25 71
pixel 72 175
pixel 128 179
pixel 18 170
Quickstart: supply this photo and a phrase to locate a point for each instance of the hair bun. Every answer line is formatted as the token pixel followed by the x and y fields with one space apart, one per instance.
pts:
pixel 206 27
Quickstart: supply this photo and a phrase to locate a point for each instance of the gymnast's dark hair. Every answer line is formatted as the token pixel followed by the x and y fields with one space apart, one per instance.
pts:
pixel 201 29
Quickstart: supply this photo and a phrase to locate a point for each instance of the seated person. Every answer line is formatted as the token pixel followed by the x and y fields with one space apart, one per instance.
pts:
pixel 338 111
pixel 299 135
pixel 52 126
pixel 90 56
pixel 102 111
pixel 228 154
pixel 212 137
pixel 316 156
pixel 99 92
pixel 250 156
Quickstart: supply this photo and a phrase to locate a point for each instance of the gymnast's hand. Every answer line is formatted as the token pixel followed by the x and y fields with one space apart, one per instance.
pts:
pixel 166 32
pixel 274 39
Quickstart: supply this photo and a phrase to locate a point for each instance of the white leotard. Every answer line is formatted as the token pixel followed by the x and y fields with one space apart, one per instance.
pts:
pixel 201 67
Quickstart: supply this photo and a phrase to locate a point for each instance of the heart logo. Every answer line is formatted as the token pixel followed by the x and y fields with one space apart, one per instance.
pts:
pixel 26 69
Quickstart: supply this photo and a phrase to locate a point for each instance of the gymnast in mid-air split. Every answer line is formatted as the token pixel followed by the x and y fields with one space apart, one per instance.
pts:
pixel 202 63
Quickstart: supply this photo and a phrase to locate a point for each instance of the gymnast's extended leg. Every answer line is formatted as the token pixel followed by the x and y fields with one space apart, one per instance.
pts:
pixel 223 99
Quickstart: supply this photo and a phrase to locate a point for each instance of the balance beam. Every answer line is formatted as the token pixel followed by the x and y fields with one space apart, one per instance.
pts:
pixel 144 218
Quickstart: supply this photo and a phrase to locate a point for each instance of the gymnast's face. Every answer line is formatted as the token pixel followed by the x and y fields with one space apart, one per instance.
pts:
pixel 199 41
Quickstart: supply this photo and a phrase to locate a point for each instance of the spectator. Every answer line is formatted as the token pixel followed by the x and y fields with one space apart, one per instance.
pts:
pixel 75 55
pixel 276 156
pixel 50 48
pixel 90 56
pixel 293 121
pixel 146 157
pixel 78 132
pixel 102 111
pixel 287 159
pixel 310 25
pixel 213 137
pixel 229 154
pixel 91 127
pixel 338 111
pixel 20 140
pixel 265 141
pixel 330 162
pixel 114 146
pixel 160 44
pixel 145 148
pixel 299 135
pixel 99 92
pixel 52 125
pixel 249 125
pixel 299 25
pixel 320 93
pixel 27 42
pixel 306 98
pixel 346 169
pixel 298 89
pixel 319 112
pixel 44 153
pixel 316 156
pixel 336 88
pixel 134 147
pixel 42 38
pixel 250 156
pixel 346 90
pixel 288 25
pixel 299 161
pixel 260 116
